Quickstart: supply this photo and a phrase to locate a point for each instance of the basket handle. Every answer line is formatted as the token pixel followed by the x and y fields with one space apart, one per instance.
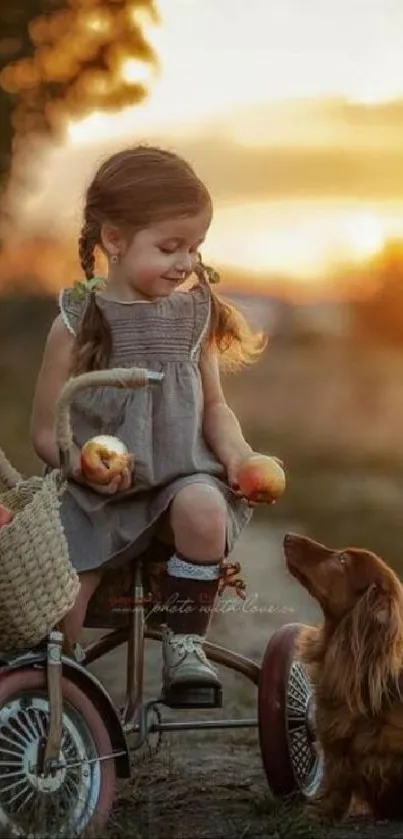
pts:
pixel 8 475
pixel 117 377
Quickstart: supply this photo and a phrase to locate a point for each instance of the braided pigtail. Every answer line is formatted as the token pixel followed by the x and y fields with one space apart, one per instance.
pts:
pixel 230 332
pixel 87 242
pixel 93 342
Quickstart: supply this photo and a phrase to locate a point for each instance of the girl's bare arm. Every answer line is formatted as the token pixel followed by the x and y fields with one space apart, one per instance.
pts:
pixel 221 427
pixel 54 372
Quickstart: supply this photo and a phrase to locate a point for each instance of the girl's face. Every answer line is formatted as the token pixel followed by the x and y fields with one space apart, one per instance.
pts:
pixel 159 258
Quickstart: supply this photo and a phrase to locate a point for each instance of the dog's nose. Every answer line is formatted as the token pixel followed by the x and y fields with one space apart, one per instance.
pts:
pixel 289 538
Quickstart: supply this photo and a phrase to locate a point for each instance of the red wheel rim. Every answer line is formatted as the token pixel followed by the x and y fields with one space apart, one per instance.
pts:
pixel 285 719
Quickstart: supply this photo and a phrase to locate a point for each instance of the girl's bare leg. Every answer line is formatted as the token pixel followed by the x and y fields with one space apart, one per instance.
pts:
pixel 199 522
pixel 72 623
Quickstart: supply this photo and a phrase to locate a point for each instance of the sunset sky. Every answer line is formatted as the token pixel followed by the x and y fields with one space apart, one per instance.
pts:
pixel 291 111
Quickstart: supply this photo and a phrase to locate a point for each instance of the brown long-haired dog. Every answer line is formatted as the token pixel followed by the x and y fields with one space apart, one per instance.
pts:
pixel 354 660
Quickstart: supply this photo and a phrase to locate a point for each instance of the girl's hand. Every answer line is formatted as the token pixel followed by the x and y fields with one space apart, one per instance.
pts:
pixel 233 467
pixel 117 484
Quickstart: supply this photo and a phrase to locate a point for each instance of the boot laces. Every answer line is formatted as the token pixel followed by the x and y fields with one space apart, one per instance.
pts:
pixel 187 644
pixel 230 576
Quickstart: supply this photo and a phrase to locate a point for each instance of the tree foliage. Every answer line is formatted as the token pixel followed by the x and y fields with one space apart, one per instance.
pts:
pixel 380 316
pixel 62 60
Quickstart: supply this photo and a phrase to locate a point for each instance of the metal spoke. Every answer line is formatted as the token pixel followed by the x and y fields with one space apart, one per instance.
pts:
pixel 10 741
pixel 15 730
pixel 71 787
pixel 28 731
pixel 9 762
pixel 33 725
pixel 307 766
pixel 10 752
pixel 12 786
pixel 8 775
pixel 34 718
pixel 31 795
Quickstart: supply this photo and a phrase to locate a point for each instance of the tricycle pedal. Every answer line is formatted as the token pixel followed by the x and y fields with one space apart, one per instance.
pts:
pixel 192 696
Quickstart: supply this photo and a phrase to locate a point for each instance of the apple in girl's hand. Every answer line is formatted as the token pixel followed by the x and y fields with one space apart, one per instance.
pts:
pixel 5 516
pixel 261 478
pixel 103 458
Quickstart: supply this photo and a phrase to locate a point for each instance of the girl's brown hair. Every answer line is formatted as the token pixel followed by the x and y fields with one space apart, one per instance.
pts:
pixel 132 190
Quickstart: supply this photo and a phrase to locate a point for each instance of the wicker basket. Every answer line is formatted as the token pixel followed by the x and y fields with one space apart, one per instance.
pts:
pixel 38 584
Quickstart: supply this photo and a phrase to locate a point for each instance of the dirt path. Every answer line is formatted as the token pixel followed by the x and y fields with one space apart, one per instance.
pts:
pixel 211 785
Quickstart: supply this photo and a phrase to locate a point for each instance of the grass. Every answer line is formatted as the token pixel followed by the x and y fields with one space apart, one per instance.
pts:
pixel 288 819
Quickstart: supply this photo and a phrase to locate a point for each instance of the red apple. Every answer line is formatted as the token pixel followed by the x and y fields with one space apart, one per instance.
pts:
pixel 103 458
pixel 5 516
pixel 261 478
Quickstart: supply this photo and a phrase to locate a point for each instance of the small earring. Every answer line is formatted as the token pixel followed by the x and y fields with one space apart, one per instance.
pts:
pixel 115 258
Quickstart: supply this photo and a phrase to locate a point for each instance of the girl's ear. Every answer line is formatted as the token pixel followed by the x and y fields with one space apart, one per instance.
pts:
pixel 112 240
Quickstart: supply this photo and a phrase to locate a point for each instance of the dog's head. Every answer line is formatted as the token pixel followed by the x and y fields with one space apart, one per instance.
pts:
pixel 339 579
pixel 362 602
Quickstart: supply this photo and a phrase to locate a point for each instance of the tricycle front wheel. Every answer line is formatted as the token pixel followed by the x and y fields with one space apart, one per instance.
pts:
pixel 77 796
pixel 286 719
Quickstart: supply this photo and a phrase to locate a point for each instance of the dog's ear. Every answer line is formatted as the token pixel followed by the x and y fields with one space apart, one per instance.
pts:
pixel 386 609
pixel 383 616
pixel 377 641
pixel 364 654
pixel 378 609
pixel 379 605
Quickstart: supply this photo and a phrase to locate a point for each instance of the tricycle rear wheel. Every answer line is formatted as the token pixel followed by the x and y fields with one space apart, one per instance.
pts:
pixel 286 719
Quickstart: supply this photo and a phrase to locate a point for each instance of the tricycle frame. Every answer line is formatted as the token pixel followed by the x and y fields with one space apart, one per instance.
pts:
pixel 135 712
pixel 135 732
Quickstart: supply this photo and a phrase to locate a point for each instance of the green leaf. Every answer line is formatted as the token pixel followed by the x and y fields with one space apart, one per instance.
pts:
pixel 83 287
pixel 94 283
pixel 79 290
pixel 212 274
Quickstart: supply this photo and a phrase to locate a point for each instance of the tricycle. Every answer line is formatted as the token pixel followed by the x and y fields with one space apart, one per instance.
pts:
pixel 64 742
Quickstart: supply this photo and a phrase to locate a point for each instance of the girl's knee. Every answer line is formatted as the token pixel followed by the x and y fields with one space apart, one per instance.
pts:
pixel 200 508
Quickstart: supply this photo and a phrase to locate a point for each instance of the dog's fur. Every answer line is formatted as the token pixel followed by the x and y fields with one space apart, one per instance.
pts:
pixel 354 660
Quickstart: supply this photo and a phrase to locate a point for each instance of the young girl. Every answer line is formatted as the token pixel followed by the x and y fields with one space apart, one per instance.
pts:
pixel 149 213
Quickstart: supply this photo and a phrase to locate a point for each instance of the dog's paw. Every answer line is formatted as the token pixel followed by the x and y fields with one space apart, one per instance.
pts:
pixel 359 807
pixel 316 813
pixel 327 810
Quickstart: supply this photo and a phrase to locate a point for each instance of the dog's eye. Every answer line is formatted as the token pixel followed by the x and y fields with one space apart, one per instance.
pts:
pixel 343 558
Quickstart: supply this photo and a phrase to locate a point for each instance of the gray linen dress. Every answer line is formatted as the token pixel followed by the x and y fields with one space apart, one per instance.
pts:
pixel 160 424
